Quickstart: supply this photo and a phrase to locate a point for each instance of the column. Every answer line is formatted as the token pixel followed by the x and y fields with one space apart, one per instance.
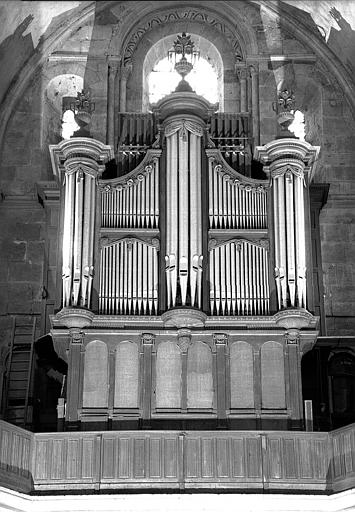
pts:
pixel 113 64
pixel 75 375
pixel 254 72
pixel 184 341
pixel 221 341
pixel 242 75
pixel 77 163
pixel 125 72
pixel 147 351
pixel 294 378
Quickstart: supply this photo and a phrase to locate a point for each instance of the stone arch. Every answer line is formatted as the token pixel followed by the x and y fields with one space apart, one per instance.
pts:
pixel 160 39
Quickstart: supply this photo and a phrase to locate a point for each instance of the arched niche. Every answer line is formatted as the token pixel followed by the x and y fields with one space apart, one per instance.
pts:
pixel 95 388
pixel 168 375
pixel 241 375
pixel 126 375
pixel 57 94
pixel 154 46
pixel 199 376
pixel 159 51
pixel 272 376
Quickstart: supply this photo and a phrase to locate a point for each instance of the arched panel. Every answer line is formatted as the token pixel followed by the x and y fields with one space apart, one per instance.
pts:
pixel 272 376
pixel 241 375
pixel 95 392
pixel 168 376
pixel 199 376
pixel 126 375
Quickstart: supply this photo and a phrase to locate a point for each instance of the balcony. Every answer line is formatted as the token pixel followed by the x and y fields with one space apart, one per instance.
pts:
pixel 175 461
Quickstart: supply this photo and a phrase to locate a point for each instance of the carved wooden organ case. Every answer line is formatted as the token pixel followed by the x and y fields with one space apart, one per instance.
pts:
pixel 184 237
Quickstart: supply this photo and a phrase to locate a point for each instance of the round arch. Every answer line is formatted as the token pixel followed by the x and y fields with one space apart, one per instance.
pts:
pixel 160 50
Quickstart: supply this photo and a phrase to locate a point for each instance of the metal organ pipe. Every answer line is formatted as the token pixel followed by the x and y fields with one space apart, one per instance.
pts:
pixel 233 203
pixel 129 277
pixel 78 236
pixel 183 212
pixel 289 227
pixel 239 278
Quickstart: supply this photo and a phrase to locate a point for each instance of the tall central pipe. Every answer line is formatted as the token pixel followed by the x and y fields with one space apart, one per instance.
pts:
pixel 183 212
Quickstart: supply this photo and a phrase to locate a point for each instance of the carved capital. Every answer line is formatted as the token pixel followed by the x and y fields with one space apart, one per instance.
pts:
pixel 148 339
pixel 126 71
pixel 241 73
pixel 292 337
pixel 184 339
pixel 76 336
pixel 220 339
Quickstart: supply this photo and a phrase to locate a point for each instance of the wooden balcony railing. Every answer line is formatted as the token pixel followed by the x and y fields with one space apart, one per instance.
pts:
pixel 139 460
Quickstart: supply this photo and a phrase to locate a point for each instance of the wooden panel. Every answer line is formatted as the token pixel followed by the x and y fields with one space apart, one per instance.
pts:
pixel 108 466
pixel 223 453
pixel 87 468
pixel 95 393
pixel 207 457
pixel 241 375
pixel 238 458
pixel 139 458
pixel 274 458
pixel 73 458
pixel 170 458
pixel 199 376
pixel 193 457
pixel 124 458
pixel 126 375
pixel 155 469
pixel 272 376
pixel 168 376
pixel 253 450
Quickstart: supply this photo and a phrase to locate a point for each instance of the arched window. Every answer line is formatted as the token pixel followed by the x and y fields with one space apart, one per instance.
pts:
pixel 163 80
pixel 126 375
pixel 272 376
pixel 95 392
pixel 241 375
pixel 199 376
pixel 168 376
pixel 206 78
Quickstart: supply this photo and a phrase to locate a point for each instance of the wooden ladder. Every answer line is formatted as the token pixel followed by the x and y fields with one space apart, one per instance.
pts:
pixel 19 372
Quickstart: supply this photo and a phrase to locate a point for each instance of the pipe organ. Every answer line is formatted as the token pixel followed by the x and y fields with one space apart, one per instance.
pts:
pixel 215 231
pixel 195 272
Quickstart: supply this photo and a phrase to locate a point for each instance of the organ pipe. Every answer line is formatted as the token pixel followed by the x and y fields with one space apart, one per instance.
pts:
pixel 290 250
pixel 132 201
pixel 183 213
pixel 239 281
pixel 234 202
pixel 78 236
pixel 128 277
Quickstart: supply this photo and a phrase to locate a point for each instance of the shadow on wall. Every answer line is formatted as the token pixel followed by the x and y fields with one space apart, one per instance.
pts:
pixel 342 41
pixel 15 50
